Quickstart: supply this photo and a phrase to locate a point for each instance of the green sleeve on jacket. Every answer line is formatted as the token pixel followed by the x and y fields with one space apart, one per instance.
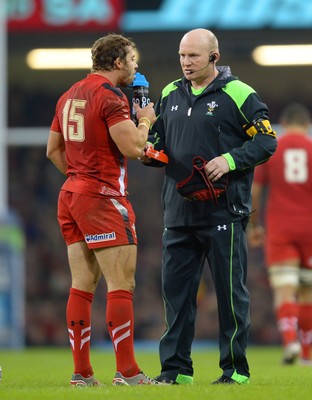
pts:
pixel 238 91
pixel 230 161
pixel 169 88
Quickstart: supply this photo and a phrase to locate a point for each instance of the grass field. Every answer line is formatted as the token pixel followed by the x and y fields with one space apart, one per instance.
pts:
pixel 39 374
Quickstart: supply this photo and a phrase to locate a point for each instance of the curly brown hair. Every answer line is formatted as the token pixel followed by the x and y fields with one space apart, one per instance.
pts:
pixel 107 49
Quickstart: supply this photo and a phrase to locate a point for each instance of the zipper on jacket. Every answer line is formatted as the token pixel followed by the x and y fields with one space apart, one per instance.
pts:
pixel 189 112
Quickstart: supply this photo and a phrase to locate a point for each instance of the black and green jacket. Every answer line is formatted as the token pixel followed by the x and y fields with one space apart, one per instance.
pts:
pixel 228 118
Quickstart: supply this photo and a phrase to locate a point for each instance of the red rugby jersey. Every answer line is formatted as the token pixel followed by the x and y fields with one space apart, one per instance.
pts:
pixel 83 116
pixel 288 174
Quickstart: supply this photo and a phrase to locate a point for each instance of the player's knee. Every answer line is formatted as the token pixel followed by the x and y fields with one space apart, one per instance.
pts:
pixel 283 276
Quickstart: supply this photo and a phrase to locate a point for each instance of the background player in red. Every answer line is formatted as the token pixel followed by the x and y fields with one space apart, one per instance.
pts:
pixel 288 235
pixel 91 136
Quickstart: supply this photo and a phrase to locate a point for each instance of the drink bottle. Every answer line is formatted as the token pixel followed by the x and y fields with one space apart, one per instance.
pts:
pixel 140 96
pixel 140 92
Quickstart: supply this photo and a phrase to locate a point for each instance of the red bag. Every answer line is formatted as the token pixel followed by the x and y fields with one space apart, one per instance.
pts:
pixel 198 187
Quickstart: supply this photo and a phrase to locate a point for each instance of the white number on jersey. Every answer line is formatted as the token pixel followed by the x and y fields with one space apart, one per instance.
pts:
pixel 73 121
pixel 296 166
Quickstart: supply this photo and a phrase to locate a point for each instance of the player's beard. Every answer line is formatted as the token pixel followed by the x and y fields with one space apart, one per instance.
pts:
pixel 127 77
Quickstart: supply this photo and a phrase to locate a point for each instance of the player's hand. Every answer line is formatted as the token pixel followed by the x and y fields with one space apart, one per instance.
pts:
pixel 143 157
pixel 146 112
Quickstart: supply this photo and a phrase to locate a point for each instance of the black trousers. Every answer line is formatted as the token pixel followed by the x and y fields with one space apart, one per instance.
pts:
pixel 184 252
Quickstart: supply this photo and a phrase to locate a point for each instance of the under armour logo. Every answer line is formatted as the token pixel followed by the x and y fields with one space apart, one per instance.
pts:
pixel 174 108
pixel 221 227
pixel 73 323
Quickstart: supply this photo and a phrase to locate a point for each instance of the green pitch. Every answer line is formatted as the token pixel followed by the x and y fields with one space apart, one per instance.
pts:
pixel 43 374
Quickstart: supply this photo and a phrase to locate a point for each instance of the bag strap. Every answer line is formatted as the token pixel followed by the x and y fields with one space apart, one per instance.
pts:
pixel 199 164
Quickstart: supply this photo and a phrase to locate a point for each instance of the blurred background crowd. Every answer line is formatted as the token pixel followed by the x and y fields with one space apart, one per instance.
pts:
pixel 34 182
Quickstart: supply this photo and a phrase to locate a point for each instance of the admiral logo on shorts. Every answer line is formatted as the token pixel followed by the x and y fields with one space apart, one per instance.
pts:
pixel 100 237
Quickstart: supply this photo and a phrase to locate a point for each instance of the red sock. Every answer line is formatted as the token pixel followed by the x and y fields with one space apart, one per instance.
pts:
pixel 287 320
pixel 305 329
pixel 78 316
pixel 120 322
